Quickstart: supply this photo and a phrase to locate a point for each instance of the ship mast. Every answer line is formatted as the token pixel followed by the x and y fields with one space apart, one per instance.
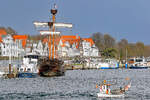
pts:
pixel 53 66
pixel 53 12
pixel 52 33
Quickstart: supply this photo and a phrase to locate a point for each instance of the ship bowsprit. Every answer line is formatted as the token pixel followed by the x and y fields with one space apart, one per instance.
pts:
pixel 51 67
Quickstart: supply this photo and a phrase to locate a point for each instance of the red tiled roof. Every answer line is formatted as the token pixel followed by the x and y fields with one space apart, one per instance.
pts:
pixel 21 37
pixel 0 39
pixel 71 39
pixel 89 40
pixel 3 32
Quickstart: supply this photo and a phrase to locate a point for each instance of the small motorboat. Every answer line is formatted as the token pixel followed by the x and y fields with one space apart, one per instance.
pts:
pixel 105 91
pixel 29 67
pixel 138 63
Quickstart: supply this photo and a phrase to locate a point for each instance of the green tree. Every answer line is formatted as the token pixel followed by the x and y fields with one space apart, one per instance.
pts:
pixel 109 53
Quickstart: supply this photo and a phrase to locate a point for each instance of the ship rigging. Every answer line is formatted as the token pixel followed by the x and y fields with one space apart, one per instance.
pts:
pixel 53 65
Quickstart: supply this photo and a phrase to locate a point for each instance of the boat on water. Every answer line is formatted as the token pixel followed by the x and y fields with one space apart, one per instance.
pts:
pixel 29 67
pixel 52 65
pixel 105 91
pixel 137 63
pixel 108 64
pixel 2 74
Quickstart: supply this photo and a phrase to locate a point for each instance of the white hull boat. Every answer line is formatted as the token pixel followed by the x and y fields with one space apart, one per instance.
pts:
pixel 29 67
pixel 106 92
pixel 102 95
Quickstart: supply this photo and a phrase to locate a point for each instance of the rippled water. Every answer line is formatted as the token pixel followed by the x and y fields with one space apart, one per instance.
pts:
pixel 76 85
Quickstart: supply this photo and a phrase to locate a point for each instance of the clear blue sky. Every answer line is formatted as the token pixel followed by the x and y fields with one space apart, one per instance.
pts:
pixel 128 19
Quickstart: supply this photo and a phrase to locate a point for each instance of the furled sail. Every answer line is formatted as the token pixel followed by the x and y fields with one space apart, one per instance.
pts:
pixel 57 25
pixel 40 24
pixel 49 32
pixel 63 25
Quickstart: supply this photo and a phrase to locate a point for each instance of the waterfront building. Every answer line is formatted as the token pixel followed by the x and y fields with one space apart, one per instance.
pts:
pixel 29 46
pixel 68 46
pixel 21 46
pixel 89 48
pixel 10 47
pixel 38 48
pixel 2 32
pixel 45 49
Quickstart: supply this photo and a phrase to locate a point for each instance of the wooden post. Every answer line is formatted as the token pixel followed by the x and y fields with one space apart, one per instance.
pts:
pixel 9 68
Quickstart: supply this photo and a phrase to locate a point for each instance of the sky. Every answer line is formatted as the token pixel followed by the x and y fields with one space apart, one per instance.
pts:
pixel 129 19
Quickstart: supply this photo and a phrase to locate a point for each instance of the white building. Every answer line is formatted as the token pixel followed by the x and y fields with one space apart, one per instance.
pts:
pixel 40 48
pixel 37 48
pixel 45 49
pixel 9 47
pixel 69 46
pixel 89 48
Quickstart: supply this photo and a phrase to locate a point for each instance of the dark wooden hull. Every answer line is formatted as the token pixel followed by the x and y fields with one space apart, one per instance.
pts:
pixel 51 68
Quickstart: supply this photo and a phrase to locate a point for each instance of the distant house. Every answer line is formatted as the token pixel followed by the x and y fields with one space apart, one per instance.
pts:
pixel 12 45
pixel 68 46
pixel 23 39
pixel 22 45
pixel 38 48
pixel 9 47
pixel 89 48
pixel 2 32
pixel 29 46
pixel 45 49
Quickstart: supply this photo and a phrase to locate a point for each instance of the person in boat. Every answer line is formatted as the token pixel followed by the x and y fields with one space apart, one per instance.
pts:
pixel 105 88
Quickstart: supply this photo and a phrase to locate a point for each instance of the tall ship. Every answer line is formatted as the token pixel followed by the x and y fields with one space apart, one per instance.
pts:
pixel 52 65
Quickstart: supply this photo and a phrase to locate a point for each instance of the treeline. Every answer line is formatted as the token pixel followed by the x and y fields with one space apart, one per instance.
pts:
pixel 109 47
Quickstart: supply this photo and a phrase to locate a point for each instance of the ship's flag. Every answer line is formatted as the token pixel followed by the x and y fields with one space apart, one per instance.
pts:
pixel 55 6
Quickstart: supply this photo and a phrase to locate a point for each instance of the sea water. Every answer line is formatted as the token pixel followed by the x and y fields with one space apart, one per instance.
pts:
pixel 77 85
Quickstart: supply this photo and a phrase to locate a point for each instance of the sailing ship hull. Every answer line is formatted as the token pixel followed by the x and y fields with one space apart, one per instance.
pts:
pixel 50 68
pixel 102 95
